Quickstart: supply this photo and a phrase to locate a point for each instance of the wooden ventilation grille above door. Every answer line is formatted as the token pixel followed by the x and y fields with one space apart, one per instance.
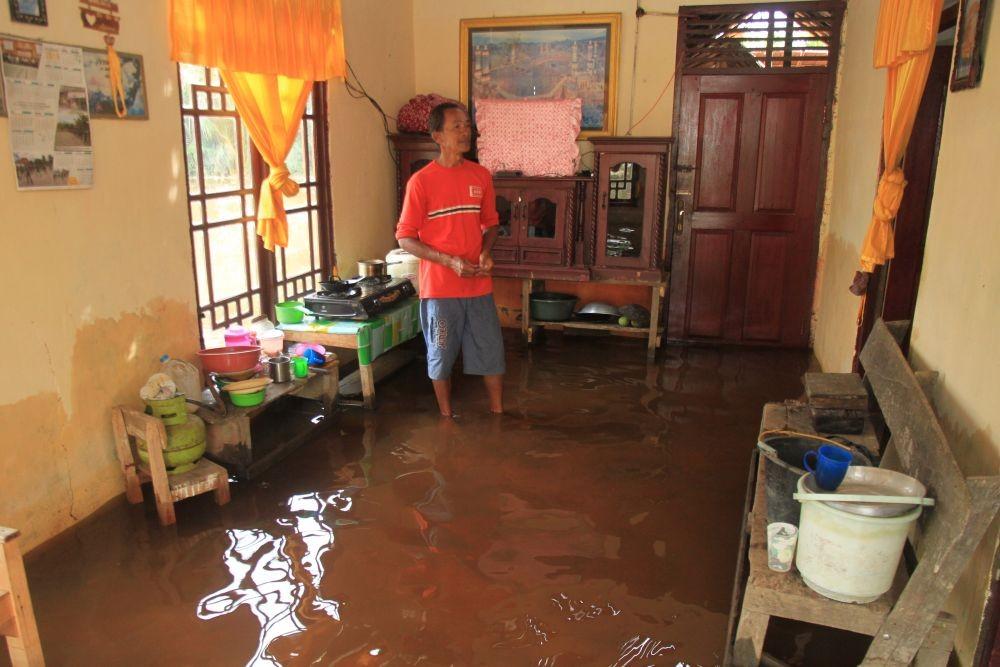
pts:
pixel 767 38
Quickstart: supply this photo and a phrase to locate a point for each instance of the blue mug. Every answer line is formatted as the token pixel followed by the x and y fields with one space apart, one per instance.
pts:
pixel 828 465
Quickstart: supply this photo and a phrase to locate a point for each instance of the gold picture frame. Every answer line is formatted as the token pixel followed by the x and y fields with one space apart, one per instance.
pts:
pixel 579 51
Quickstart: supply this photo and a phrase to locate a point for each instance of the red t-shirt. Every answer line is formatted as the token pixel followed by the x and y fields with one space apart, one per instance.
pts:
pixel 448 209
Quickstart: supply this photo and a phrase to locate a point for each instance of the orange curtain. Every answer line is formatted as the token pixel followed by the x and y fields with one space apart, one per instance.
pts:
pixel 269 53
pixel 904 43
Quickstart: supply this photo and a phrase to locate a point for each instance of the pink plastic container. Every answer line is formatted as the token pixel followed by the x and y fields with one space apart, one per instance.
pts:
pixel 271 342
pixel 236 336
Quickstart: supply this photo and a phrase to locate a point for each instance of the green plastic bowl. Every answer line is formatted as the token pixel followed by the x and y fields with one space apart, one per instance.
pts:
pixel 289 312
pixel 247 400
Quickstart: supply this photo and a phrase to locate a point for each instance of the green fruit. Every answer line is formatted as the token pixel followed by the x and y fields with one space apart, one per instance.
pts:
pixel 623 321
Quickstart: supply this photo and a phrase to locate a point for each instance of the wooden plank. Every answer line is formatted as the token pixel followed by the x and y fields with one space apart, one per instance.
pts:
pixel 749 643
pixel 736 600
pixel 963 511
pixel 133 484
pixel 200 479
pixel 345 341
pixel 654 321
pixel 24 647
pixel 901 635
pixel 920 444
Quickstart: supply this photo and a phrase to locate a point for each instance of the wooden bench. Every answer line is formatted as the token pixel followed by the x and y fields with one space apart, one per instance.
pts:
pixel 17 618
pixel 906 623
pixel 168 489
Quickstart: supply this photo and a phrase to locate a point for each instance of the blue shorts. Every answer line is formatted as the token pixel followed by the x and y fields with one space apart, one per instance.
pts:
pixel 469 325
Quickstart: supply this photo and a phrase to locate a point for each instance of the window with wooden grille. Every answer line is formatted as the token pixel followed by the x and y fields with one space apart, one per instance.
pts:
pixel 772 37
pixel 237 280
pixel 622 183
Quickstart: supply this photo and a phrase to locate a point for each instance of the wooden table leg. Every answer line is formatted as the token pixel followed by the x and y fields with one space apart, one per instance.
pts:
pixel 367 385
pixel 654 321
pixel 526 309
pixel 749 643
pixel 23 643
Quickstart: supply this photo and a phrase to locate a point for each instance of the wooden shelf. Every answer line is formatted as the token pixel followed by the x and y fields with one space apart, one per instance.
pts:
pixel 595 326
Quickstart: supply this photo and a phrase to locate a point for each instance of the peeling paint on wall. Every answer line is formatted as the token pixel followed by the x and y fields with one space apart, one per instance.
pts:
pixel 58 464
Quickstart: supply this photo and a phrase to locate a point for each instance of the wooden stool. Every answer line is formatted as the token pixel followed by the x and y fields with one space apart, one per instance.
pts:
pixel 17 619
pixel 168 489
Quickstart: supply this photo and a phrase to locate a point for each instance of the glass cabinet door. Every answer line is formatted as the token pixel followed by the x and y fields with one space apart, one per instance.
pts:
pixel 625 202
pixel 540 218
pixel 506 207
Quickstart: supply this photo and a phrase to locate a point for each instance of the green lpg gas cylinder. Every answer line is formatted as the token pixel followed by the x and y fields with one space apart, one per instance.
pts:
pixel 185 445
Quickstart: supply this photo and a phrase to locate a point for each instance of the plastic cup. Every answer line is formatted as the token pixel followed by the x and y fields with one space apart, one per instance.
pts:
pixel 781 538
pixel 300 367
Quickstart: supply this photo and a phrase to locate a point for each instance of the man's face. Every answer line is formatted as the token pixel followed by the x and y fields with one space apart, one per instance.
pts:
pixel 456 136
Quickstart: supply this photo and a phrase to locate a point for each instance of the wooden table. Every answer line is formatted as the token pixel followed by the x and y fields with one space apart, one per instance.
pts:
pixel 371 338
pixel 653 333
pixel 767 593
pixel 229 437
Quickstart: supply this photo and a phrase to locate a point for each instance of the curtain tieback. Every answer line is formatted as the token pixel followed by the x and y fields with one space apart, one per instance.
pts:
pixel 280 180
pixel 890 194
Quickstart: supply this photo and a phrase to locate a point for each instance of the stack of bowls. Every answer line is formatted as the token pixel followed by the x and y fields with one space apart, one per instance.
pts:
pixel 236 362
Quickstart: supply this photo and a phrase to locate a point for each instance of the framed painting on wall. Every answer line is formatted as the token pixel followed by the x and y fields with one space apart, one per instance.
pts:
pixel 544 57
pixel 28 11
pixel 968 65
pixel 95 68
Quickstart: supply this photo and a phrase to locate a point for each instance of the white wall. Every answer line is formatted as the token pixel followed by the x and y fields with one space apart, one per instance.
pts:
pixel 957 319
pixel 97 285
pixel 379 45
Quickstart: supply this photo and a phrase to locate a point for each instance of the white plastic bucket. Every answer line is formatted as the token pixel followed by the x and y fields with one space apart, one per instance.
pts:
pixel 404 265
pixel 849 557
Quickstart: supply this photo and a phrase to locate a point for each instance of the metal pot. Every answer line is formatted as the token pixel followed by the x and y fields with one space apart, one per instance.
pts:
pixel 280 368
pixel 372 268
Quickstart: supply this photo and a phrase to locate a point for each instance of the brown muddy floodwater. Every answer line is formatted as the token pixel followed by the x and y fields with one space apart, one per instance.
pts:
pixel 594 524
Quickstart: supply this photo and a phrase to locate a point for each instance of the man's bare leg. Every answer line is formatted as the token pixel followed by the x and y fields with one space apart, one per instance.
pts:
pixel 494 388
pixel 442 390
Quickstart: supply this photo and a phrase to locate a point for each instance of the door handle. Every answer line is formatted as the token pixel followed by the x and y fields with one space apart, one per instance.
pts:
pixel 679 227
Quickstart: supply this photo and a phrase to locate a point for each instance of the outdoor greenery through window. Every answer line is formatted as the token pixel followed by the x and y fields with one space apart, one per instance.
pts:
pixel 237 280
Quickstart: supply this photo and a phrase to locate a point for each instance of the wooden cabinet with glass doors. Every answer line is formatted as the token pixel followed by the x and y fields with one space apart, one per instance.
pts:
pixel 625 241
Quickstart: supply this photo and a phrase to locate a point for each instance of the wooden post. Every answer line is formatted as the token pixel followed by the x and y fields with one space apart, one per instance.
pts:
pixel 156 442
pixel 526 309
pixel 367 385
pixel 654 320
pixel 23 642
pixel 749 643
pixel 133 485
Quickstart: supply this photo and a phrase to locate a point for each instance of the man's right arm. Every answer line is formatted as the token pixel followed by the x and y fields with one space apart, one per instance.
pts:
pixel 420 249
pixel 411 219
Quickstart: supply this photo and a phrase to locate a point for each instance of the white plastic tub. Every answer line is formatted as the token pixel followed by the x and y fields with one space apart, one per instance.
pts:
pixel 849 557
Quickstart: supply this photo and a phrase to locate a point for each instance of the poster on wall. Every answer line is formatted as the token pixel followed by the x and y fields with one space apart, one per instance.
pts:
pixel 49 123
pixel 95 67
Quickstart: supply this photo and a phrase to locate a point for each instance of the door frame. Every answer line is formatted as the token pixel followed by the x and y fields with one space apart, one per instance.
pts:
pixel 674 217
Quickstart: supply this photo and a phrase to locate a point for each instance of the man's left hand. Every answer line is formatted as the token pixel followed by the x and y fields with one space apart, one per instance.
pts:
pixel 485 263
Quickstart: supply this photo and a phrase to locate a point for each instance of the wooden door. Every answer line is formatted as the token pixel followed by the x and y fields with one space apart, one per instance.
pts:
pixel 748 207
pixel 627 211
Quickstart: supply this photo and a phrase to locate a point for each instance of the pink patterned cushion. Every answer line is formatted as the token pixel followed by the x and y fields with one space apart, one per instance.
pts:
pixel 537 137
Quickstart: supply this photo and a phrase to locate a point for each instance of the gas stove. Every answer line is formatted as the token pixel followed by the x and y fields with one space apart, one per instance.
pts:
pixel 358 298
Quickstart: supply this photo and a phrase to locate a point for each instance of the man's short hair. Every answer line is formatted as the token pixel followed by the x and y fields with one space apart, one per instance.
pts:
pixel 435 122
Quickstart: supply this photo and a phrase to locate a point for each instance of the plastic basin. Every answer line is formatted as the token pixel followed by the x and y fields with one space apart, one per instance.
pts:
pixel 232 359
pixel 289 312
pixel 247 400
pixel 552 306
